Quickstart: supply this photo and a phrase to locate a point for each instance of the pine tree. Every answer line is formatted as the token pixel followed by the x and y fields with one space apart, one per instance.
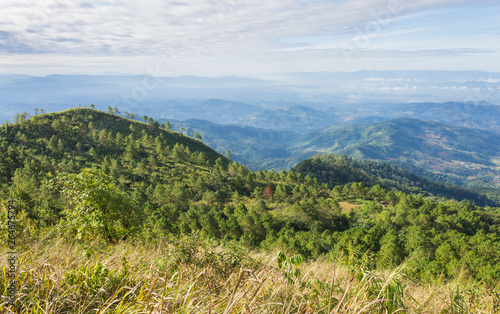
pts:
pixel 52 145
pixel 268 193
pixel 61 144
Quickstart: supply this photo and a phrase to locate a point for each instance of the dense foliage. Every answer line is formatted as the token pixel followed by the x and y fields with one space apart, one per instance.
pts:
pixel 339 170
pixel 177 185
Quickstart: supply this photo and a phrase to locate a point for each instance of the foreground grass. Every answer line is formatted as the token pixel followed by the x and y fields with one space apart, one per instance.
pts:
pixel 193 275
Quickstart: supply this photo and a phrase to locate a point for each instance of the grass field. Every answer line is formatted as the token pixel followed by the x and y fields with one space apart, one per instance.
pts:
pixel 193 275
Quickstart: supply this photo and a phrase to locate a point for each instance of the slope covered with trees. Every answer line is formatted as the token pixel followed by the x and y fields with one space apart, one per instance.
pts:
pixel 92 177
pixel 337 170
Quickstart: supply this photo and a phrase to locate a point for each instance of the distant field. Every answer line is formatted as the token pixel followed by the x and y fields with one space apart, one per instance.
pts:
pixel 346 206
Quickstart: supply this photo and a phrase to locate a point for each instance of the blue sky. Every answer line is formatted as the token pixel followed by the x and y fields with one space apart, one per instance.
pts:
pixel 247 37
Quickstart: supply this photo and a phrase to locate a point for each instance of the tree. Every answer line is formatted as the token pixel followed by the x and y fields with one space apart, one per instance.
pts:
pixel 52 145
pixel 98 208
pixel 168 126
pixel 92 152
pixel 116 111
pixel 197 136
pixel 268 193
pixel 61 144
pixel 145 119
pixel 110 110
pixel 92 106
pixel 228 154
pixel 36 111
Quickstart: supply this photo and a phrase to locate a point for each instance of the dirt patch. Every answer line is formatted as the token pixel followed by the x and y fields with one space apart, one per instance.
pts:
pixel 346 207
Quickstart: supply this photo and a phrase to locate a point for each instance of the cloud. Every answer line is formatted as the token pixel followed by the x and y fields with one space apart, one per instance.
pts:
pixel 202 29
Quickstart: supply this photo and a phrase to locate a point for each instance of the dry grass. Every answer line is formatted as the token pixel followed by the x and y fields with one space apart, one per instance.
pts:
pixel 57 277
pixel 347 207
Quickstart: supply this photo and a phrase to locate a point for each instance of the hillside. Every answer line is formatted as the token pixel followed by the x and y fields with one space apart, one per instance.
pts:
pixel 337 170
pixel 84 137
pixel 93 182
pixel 462 154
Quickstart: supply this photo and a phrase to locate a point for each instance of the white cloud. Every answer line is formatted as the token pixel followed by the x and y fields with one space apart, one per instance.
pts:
pixel 211 30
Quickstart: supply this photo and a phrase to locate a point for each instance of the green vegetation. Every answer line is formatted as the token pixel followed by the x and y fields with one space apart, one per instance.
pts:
pixel 446 153
pixel 191 229
pixel 337 170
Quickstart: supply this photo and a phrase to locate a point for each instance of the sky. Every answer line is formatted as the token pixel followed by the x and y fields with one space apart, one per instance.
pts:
pixel 246 37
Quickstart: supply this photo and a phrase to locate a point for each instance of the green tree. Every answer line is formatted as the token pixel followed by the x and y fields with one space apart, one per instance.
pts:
pixel 98 208
pixel 53 142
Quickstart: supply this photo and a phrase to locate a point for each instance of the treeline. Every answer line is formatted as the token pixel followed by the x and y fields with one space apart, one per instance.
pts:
pixel 90 175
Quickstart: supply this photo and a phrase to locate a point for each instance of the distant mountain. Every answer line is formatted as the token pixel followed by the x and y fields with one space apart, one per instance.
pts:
pixel 255 147
pixel 294 118
pixel 472 115
pixel 214 110
pixel 352 94
pixel 462 154
pixel 340 170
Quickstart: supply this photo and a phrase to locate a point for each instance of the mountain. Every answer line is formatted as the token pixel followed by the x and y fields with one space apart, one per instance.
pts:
pixel 352 94
pixel 297 118
pixel 461 154
pixel 79 138
pixel 248 145
pixel 480 115
pixel 337 170
pixel 97 180
pixel 214 110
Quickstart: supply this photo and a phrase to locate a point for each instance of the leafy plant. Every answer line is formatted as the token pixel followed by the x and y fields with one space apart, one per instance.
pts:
pixel 98 209
pixel 289 272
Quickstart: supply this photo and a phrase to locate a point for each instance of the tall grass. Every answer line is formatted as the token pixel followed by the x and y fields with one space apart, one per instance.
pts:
pixel 192 275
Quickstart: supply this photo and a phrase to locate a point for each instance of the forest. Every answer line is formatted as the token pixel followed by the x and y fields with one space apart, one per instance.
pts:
pixel 120 216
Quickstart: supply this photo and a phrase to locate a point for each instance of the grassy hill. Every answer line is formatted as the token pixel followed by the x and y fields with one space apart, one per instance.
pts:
pixel 122 216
